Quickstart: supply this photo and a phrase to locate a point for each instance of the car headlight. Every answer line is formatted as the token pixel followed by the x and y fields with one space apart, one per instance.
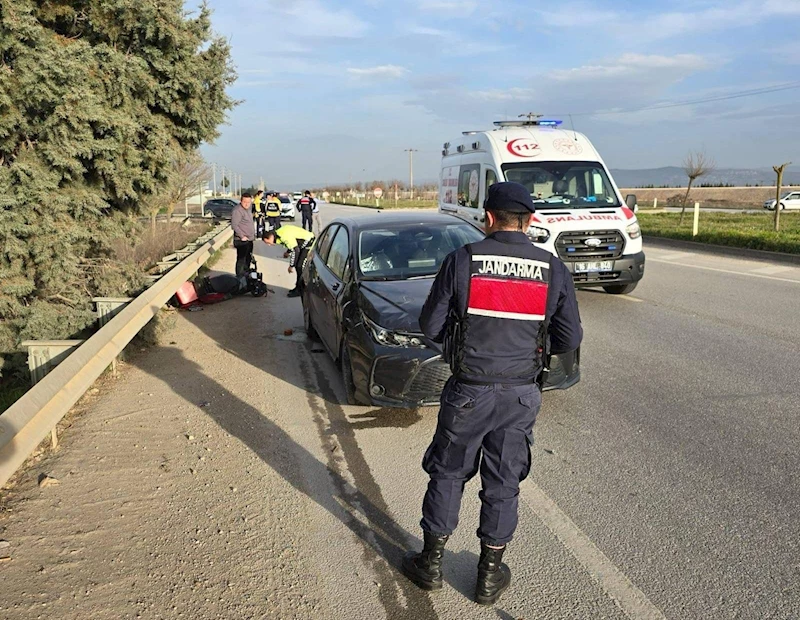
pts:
pixel 538 235
pixel 634 231
pixel 391 338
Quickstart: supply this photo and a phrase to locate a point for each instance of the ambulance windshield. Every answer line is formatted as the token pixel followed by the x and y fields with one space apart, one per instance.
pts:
pixel 559 184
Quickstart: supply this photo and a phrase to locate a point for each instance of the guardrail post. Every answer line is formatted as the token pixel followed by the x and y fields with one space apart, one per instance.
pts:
pixel 696 225
pixel 43 356
pixel 108 307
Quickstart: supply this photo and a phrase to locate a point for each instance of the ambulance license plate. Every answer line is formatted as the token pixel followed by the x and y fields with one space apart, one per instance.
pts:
pixel 604 265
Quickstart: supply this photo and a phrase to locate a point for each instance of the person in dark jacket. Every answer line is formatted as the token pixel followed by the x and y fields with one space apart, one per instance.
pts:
pixel 244 231
pixel 307 205
pixel 494 305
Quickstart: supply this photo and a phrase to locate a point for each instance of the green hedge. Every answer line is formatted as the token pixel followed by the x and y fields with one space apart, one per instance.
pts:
pixel 741 230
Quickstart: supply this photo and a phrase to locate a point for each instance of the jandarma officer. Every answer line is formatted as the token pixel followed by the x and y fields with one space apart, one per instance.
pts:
pixel 492 305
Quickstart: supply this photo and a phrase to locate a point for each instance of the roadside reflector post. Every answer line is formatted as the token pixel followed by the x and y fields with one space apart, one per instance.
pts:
pixel 655 203
pixel 696 227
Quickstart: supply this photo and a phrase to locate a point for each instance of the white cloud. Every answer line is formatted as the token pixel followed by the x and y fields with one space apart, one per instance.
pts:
pixel 626 82
pixel 630 66
pixel 453 8
pixel 380 72
pixel 669 24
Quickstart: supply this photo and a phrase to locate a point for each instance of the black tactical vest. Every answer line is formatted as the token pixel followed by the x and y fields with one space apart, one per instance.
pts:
pixel 499 336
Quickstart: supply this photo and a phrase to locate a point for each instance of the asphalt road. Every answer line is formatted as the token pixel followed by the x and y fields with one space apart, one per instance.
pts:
pixel 222 476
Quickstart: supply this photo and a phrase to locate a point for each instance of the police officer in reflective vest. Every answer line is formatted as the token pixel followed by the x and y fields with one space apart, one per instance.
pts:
pixel 273 206
pixel 259 215
pixel 298 242
pixel 492 306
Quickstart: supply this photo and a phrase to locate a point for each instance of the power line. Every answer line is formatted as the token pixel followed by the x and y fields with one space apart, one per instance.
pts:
pixel 676 104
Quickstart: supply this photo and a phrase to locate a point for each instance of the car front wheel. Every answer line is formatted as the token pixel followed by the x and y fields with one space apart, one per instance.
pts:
pixel 309 325
pixel 347 376
pixel 620 289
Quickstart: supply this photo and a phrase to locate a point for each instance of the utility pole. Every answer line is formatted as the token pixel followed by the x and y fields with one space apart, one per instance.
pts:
pixel 411 170
pixel 214 187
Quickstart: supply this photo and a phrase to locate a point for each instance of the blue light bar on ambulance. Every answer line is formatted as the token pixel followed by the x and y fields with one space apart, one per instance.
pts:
pixel 549 123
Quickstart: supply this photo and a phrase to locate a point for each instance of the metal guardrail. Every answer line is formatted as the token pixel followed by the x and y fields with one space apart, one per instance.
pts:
pixel 25 424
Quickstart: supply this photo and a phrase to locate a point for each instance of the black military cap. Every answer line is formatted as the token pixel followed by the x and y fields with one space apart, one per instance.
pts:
pixel 509 196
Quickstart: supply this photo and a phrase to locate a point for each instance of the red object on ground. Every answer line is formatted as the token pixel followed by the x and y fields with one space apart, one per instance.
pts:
pixel 214 298
pixel 186 294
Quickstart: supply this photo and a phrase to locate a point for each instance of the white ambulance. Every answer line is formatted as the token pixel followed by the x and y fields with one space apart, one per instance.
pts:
pixel 580 215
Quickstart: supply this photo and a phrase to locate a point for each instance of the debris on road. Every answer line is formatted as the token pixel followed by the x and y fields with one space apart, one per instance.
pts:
pixel 48 481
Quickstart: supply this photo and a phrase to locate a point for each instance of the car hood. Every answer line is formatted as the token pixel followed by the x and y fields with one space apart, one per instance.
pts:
pixel 395 304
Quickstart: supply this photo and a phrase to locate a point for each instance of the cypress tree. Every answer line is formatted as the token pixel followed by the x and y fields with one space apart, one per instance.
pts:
pixel 98 99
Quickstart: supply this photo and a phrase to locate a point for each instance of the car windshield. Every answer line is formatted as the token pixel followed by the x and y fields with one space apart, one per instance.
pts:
pixel 285 200
pixel 410 250
pixel 555 184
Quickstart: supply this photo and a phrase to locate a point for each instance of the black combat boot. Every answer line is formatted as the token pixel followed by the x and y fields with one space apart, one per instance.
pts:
pixel 425 568
pixel 494 577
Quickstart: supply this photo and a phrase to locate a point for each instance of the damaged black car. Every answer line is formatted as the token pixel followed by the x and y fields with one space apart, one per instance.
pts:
pixel 365 283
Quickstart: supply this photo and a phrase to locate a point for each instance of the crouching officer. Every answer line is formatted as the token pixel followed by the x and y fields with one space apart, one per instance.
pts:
pixel 297 241
pixel 492 305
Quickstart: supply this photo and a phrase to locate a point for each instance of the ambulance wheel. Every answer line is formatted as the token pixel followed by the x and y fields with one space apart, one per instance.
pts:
pixel 347 376
pixel 620 289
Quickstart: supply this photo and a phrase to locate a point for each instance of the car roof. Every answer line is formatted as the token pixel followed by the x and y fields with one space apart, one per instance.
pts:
pixel 394 218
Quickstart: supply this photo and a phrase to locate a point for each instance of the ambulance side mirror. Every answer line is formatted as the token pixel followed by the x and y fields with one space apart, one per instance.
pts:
pixel 630 201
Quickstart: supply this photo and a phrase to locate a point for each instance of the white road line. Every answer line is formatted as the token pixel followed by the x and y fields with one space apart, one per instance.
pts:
pixel 630 599
pixel 736 273
pixel 629 298
pixel 771 271
pixel 672 255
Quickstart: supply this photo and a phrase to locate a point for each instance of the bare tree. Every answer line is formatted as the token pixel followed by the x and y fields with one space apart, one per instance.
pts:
pixel 779 171
pixel 187 173
pixel 696 164
pixel 190 172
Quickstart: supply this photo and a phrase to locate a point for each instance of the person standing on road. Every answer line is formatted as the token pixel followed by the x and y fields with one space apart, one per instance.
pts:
pixel 273 211
pixel 297 241
pixel 244 231
pixel 307 205
pixel 259 213
pixel 493 305
pixel 317 227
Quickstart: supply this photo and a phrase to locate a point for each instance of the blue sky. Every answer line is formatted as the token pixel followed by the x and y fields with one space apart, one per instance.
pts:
pixel 335 90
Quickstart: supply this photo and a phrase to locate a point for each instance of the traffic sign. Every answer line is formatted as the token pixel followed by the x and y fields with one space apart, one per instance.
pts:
pixel 377 192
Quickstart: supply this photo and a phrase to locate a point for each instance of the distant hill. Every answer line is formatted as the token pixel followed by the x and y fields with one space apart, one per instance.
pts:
pixel 673 176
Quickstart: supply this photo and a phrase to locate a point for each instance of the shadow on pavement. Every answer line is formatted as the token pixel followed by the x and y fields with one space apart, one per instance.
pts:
pixel 359 504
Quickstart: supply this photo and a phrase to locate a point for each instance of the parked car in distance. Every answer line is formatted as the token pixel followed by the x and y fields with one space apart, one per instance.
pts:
pixel 366 281
pixel 296 196
pixel 220 207
pixel 790 200
pixel 287 207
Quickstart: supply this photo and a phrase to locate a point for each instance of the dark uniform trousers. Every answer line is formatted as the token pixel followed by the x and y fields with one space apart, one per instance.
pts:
pixel 244 254
pixel 274 222
pixel 487 428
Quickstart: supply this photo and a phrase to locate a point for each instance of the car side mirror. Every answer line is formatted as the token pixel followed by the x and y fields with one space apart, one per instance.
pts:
pixel 630 201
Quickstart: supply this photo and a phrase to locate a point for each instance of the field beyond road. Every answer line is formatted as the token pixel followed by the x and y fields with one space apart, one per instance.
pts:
pixel 741 230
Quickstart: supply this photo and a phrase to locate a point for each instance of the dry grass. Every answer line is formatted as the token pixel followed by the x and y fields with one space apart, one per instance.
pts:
pixel 738 197
pixel 151 246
